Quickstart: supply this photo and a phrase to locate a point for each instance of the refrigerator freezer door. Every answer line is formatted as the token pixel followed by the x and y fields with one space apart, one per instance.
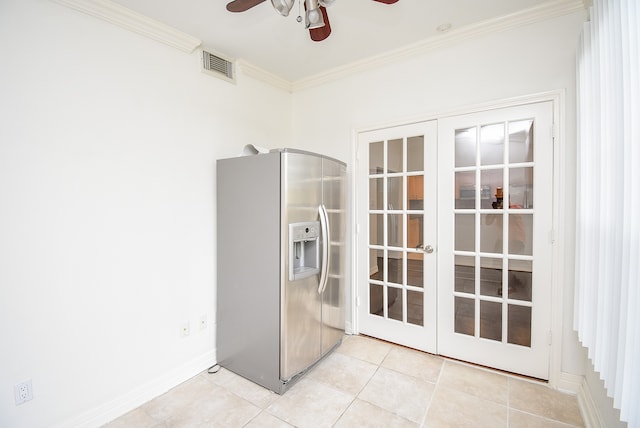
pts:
pixel 300 322
pixel 333 297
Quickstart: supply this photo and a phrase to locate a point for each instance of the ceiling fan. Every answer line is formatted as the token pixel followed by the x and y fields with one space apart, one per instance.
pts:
pixel 316 18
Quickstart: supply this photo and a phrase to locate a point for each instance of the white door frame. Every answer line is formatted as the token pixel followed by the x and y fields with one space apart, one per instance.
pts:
pixel 557 98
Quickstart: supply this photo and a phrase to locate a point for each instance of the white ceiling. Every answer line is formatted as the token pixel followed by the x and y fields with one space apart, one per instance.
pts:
pixel 360 29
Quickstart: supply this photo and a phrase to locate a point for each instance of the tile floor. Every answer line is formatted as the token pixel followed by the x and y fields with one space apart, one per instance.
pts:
pixel 364 383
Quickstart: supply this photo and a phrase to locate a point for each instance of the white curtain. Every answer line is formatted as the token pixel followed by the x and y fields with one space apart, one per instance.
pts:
pixel 607 299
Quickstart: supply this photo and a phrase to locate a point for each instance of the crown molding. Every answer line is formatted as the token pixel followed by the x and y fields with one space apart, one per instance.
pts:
pixel 138 23
pixel 134 21
pixel 251 70
pixel 545 11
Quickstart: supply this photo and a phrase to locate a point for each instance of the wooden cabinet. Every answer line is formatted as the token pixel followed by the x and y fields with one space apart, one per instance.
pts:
pixel 415 196
pixel 414 237
pixel 415 187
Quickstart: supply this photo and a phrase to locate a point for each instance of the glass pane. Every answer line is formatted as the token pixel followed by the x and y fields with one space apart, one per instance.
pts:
pixel 466 189
pixel 465 141
pixel 519 325
pixel 491 181
pixel 376 264
pixel 491 233
pixel 520 234
pixel 415 153
pixel 376 193
pixel 415 269
pixel 415 204
pixel 490 276
pixel 465 312
pixel 415 189
pixel 465 274
pixel 492 144
pixel 415 307
pixel 395 193
pixel 415 231
pixel 491 320
pixel 520 279
pixel 394 267
pixel 521 188
pixel 521 141
pixel 376 158
pixel 394 299
pixel 376 231
pixel 395 238
pixel 395 156
pixel 465 232
pixel 376 303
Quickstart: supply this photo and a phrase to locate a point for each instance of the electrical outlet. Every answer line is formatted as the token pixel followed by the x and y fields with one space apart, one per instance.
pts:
pixel 23 392
pixel 186 330
pixel 203 322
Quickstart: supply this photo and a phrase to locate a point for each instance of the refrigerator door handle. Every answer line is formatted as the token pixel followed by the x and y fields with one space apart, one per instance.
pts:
pixel 326 239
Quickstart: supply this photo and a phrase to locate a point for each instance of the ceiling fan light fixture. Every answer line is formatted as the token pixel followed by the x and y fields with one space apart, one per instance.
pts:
pixel 283 6
pixel 313 15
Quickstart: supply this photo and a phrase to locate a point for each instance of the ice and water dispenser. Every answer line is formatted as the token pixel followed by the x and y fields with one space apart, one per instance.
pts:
pixel 304 250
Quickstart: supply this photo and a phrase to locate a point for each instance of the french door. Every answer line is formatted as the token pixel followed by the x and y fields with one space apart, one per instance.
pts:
pixel 397 269
pixel 461 266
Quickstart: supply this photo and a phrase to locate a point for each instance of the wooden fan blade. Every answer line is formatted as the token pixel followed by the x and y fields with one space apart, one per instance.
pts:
pixel 387 1
pixel 242 5
pixel 319 34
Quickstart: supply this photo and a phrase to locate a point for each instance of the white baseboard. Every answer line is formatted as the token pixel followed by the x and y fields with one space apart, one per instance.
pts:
pixel 111 410
pixel 577 385
pixel 569 383
pixel 590 413
pixel 348 327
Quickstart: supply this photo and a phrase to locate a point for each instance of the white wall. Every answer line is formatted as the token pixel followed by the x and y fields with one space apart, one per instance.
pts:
pixel 532 59
pixel 108 142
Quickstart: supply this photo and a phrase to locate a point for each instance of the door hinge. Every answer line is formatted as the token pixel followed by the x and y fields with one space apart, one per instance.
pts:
pixel 357 228
pixel 554 130
pixel 357 301
pixel 549 336
pixel 552 236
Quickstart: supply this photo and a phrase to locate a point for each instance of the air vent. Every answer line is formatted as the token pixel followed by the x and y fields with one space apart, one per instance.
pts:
pixel 217 66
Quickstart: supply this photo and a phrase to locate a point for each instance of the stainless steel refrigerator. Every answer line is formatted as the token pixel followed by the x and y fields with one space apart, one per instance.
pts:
pixel 281 259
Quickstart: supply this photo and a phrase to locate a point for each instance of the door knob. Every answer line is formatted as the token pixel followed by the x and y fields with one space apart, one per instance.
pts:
pixel 427 249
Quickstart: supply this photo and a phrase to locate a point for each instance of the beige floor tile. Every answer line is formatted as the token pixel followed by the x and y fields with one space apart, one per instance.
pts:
pixel 404 395
pixel 244 388
pixel 475 381
pixel 365 348
pixel 524 420
pixel 267 420
pixel 414 363
pixel 543 401
pixel 455 409
pixel 179 398
pixel 310 403
pixel 136 418
pixel 343 372
pixel 363 414
pixel 199 402
pixel 218 409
